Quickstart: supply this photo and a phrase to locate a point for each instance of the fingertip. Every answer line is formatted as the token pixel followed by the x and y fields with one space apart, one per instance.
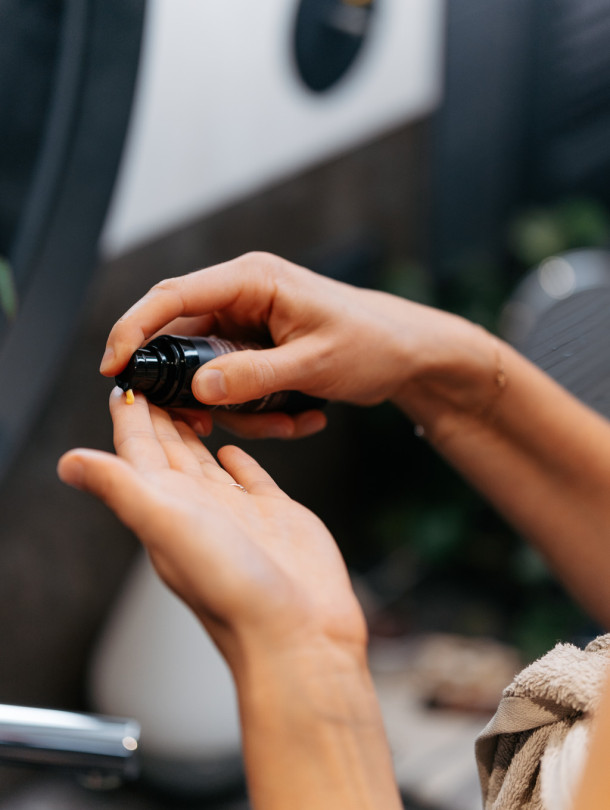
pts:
pixel 118 398
pixel 309 423
pixel 63 469
pixel 114 359
pixel 247 471
pixel 114 398
pixel 232 449
pixel 230 455
pixel 202 425
pixel 121 344
pixel 71 468
pixel 108 362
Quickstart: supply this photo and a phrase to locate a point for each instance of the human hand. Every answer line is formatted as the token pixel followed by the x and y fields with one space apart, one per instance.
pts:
pixel 331 340
pixel 257 568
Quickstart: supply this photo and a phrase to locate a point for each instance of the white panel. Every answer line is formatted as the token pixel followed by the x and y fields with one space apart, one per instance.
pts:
pixel 156 663
pixel 220 111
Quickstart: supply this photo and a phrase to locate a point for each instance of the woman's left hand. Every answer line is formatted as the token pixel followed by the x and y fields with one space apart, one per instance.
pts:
pixel 255 566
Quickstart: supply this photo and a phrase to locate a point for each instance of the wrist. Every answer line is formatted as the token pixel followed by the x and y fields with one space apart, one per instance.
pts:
pixel 332 681
pixel 457 378
pixel 312 731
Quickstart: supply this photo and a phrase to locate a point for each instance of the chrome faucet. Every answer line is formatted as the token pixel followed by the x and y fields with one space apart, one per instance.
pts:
pixel 84 743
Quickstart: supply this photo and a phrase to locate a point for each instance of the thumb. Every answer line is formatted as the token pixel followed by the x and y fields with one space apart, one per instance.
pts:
pixel 109 478
pixel 253 373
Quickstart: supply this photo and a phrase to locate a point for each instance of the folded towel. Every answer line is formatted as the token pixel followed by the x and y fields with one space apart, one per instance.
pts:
pixel 531 753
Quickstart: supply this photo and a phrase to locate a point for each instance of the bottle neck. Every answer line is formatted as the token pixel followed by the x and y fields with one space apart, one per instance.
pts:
pixel 143 372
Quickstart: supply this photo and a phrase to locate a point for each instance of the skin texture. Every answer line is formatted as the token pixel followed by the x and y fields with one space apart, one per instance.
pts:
pixel 266 579
pixel 274 593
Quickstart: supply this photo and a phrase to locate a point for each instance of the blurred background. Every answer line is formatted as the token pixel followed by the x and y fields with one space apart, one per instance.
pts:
pixel 454 153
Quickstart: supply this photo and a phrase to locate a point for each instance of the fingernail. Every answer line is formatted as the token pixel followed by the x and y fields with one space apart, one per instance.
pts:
pixel 107 359
pixel 209 385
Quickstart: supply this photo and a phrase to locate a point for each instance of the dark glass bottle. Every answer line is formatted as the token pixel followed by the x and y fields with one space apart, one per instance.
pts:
pixel 163 371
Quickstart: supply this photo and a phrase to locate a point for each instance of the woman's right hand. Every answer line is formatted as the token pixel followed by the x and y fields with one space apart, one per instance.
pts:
pixel 330 339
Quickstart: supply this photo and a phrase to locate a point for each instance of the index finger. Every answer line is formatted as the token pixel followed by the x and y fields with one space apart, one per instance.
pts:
pixel 134 436
pixel 203 292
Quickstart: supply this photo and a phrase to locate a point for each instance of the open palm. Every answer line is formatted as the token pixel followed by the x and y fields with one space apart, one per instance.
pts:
pixel 251 562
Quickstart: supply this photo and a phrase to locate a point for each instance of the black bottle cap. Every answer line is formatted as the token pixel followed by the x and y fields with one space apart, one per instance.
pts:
pixel 142 372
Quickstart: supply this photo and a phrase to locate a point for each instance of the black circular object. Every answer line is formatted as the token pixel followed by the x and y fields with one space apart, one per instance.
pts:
pixel 559 318
pixel 329 35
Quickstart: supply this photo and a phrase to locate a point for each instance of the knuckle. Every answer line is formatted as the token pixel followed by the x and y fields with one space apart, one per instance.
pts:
pixel 258 257
pixel 166 286
pixel 266 273
pixel 262 263
pixel 122 443
pixel 173 290
pixel 163 287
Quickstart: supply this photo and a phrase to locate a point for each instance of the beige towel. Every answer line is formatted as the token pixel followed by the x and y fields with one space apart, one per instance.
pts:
pixel 531 753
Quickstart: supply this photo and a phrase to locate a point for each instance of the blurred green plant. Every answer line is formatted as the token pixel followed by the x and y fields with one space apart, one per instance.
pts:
pixel 409 279
pixel 539 232
pixel 545 618
pixel 8 290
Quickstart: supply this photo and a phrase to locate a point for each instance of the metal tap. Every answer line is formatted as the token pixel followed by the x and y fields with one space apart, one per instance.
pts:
pixel 69 740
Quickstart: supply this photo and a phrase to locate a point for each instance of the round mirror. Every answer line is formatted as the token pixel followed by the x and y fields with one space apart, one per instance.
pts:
pixel 329 35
